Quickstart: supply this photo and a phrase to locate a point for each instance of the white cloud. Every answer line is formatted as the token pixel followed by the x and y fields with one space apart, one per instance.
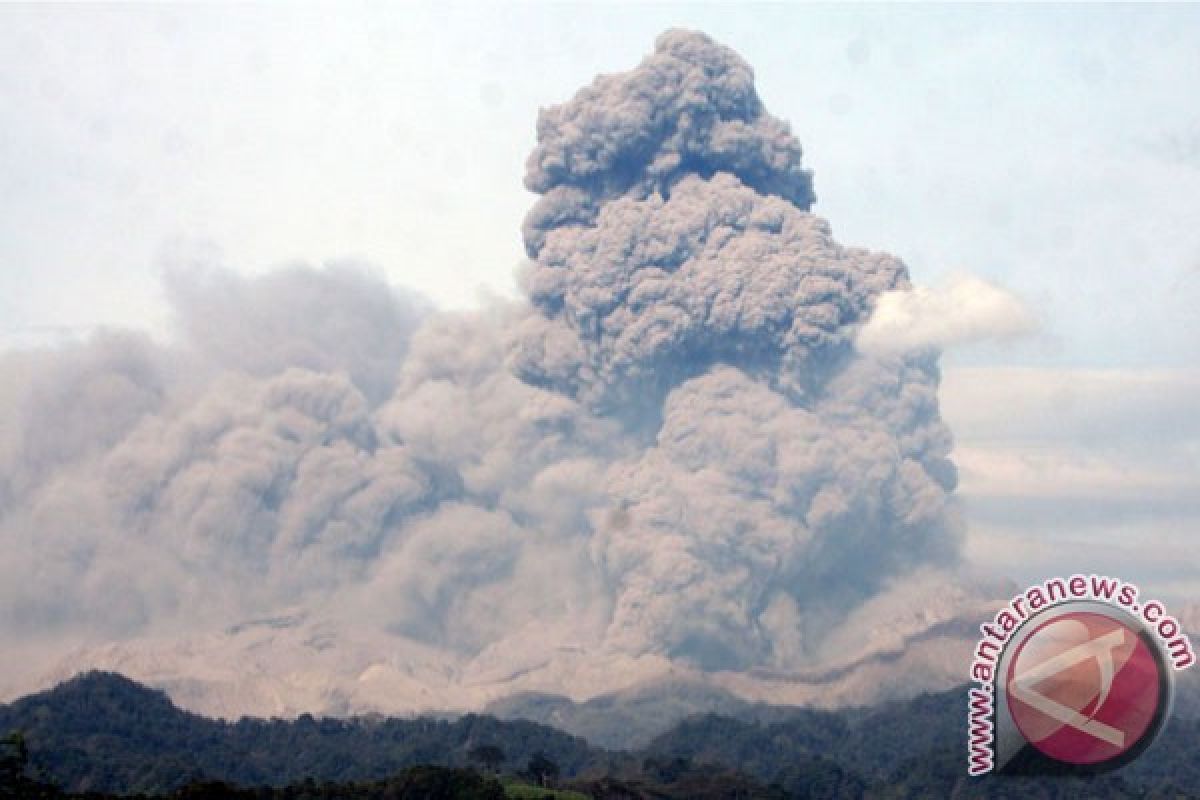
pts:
pixel 964 309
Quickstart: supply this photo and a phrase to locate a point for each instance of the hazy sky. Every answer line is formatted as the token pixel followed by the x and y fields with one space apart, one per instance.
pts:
pixel 1052 150
pixel 1055 150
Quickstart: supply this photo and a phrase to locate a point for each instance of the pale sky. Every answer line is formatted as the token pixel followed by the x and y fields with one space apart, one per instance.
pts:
pixel 1054 151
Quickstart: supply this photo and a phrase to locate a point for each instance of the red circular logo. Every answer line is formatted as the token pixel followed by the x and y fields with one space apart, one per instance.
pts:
pixel 1084 688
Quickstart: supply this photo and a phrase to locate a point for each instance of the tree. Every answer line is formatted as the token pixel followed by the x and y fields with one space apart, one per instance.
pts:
pixel 14 758
pixel 489 755
pixel 542 769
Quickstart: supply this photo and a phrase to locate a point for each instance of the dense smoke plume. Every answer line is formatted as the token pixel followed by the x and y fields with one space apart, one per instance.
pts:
pixel 672 450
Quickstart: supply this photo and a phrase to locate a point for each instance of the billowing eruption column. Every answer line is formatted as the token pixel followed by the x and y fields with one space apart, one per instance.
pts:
pixel 682 287
pixel 673 453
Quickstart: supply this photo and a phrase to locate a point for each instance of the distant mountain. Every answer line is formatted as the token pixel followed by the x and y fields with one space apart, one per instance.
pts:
pixel 632 718
pixel 628 719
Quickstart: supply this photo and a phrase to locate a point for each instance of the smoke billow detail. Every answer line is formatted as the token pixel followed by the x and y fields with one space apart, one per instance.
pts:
pixel 672 450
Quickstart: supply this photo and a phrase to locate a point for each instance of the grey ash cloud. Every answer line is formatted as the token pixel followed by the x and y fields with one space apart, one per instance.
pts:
pixel 671 449
pixel 688 109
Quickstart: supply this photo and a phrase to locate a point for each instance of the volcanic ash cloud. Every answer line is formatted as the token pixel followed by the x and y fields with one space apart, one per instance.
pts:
pixel 681 286
pixel 672 450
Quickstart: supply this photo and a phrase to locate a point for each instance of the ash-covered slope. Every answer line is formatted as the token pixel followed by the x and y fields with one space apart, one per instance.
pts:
pixel 670 460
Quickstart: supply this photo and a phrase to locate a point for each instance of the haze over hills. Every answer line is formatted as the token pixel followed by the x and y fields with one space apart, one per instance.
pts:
pixel 673 477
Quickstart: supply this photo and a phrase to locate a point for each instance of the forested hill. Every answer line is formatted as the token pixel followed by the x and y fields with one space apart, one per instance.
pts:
pixel 102 732
pixel 914 748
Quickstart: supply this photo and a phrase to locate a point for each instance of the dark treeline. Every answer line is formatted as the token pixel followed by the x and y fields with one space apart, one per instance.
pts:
pixel 103 732
pixel 101 735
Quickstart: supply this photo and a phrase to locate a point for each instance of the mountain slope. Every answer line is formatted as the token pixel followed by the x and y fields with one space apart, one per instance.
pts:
pixel 103 732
